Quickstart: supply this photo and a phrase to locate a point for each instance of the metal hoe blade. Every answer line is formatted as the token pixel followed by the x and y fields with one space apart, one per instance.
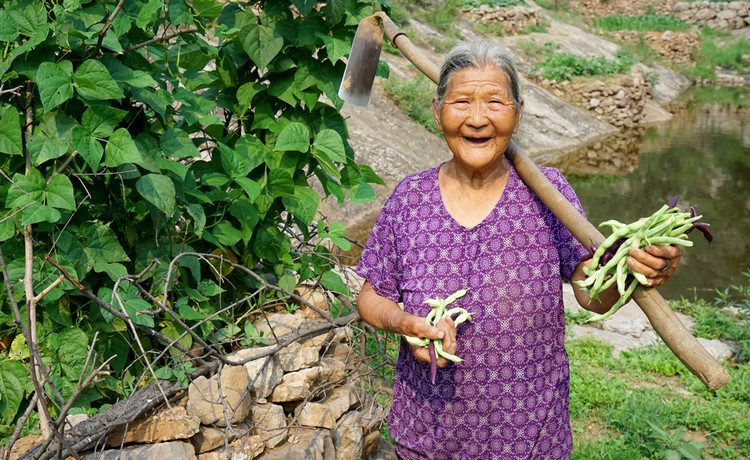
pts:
pixel 363 62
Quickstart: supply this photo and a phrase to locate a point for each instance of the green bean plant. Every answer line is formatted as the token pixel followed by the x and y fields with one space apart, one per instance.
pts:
pixel 162 166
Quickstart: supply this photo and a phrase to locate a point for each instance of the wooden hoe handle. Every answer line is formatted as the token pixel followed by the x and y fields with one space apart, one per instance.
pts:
pixel 682 343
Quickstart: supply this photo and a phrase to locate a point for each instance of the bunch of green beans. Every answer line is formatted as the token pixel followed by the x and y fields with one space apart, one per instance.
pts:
pixel 608 265
pixel 440 311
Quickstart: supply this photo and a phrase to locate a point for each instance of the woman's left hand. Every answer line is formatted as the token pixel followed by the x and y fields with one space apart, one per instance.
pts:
pixel 655 262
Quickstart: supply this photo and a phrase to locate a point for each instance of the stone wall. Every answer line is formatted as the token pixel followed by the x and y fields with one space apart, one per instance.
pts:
pixel 619 102
pixel 724 16
pixel 512 20
pixel 301 403
pixel 717 15
pixel 677 48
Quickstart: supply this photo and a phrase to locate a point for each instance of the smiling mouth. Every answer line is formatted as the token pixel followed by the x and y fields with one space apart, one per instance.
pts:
pixel 476 140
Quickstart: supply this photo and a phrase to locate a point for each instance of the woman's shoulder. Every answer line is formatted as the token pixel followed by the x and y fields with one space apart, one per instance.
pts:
pixel 423 180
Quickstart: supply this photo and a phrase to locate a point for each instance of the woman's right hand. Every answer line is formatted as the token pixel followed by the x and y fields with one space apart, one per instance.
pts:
pixel 445 330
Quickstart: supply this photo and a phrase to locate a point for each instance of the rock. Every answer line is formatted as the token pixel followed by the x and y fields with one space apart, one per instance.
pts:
pixel 23 445
pixel 371 443
pixel 295 357
pixel 719 350
pixel 624 325
pixel 209 438
pixel 165 450
pixel 75 419
pixel 296 385
pixel 304 444
pixel 348 437
pixel 270 424
pixel 384 451
pixel 205 401
pixel 619 342
pixel 245 448
pixel 263 373
pixel 315 415
pixel 166 425
pixel 341 399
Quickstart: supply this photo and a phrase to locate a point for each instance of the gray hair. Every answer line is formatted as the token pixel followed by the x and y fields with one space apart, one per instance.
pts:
pixel 478 54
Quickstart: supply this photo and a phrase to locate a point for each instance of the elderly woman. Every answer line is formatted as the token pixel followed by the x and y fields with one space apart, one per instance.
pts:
pixel 472 223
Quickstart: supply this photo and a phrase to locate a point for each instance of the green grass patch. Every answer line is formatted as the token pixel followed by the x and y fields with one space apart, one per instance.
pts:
pixel 719 49
pixel 646 22
pixel 562 66
pixel 414 98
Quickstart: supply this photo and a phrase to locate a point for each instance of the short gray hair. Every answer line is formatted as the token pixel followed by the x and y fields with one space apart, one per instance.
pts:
pixel 478 54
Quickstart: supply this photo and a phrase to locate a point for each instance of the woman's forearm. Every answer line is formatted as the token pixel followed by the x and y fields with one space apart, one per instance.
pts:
pixel 380 312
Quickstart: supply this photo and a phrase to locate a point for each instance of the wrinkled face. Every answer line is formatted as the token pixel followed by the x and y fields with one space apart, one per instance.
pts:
pixel 478 116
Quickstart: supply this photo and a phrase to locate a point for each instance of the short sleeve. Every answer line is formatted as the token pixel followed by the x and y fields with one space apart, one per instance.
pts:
pixel 570 250
pixel 378 263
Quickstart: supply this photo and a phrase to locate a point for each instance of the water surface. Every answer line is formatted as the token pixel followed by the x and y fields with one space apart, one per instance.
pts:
pixel 702 155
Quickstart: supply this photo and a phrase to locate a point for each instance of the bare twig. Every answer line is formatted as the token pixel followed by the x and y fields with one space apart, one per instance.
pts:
pixel 164 38
pixel 14 91
pixel 108 24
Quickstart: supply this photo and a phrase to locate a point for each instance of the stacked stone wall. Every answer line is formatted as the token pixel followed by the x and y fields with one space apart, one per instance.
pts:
pixel 677 48
pixel 304 402
pixel 512 20
pixel 620 101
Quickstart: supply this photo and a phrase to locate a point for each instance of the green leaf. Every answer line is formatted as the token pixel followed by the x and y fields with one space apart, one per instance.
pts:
pixel 232 162
pixel 249 186
pixel 10 131
pixel 362 193
pixel 334 11
pixel 176 143
pixel 226 233
pixel 207 8
pixel 246 93
pixel 336 233
pixel 179 13
pixel 101 120
pixel 158 190
pixel 330 142
pixel 38 212
pixel 101 243
pixel 332 281
pixel 74 345
pixel 8 28
pixel 261 43
pixel 148 13
pixel 89 148
pixel 12 374
pixel 121 149
pixel 280 183
pixel 93 81
pixel 295 136
pixel 60 193
pixel 199 217
pixel 54 85
pixel 304 204
pixel 253 151
pixel 247 215
pixel 42 149
pixel 134 306
pixel 335 47
pixel 27 189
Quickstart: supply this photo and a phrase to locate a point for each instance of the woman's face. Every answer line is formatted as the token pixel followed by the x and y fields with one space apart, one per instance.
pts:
pixel 478 116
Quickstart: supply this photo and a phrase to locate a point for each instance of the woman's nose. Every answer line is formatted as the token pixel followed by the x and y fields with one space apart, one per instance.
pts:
pixel 477 116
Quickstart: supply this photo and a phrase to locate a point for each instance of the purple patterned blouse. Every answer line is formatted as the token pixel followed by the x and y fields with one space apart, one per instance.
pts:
pixel 508 399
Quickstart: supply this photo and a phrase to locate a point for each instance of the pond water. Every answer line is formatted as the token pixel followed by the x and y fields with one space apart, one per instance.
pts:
pixel 702 155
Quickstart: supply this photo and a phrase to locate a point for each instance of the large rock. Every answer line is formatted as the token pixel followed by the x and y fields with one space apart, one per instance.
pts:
pixel 162 451
pixel 215 401
pixel 296 385
pixel 348 437
pixel 245 448
pixel 270 424
pixel 166 425
pixel 304 444
pixel 263 373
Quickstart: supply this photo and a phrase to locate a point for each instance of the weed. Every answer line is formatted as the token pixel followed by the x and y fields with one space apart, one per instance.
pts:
pixel 413 97
pixel 561 67
pixel 647 22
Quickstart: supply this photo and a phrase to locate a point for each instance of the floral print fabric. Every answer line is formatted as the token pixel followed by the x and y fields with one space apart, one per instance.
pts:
pixel 508 399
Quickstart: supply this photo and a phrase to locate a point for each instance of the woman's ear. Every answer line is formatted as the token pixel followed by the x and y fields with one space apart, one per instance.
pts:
pixel 519 116
pixel 436 114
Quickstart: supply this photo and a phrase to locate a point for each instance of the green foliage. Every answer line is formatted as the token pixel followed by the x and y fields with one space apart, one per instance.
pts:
pixel 493 3
pixel 561 67
pixel 131 136
pixel 414 98
pixel 720 50
pixel 646 22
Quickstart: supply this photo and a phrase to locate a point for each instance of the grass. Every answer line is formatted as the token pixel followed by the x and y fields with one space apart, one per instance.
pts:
pixel 562 66
pixel 647 22
pixel 413 97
